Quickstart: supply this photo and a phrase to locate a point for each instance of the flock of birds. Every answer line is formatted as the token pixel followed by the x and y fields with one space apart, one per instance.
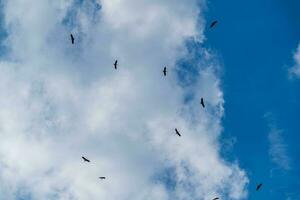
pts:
pixel 212 25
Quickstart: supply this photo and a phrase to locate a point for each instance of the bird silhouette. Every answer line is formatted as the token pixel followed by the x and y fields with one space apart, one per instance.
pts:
pixel 72 38
pixel 258 186
pixel 202 103
pixel 165 71
pixel 85 159
pixel 177 132
pixel 216 198
pixel 116 64
pixel 102 177
pixel 214 23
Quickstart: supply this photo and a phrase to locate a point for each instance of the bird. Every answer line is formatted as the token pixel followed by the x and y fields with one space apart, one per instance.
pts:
pixel 216 198
pixel 165 71
pixel 85 159
pixel 102 177
pixel 72 38
pixel 177 132
pixel 116 64
pixel 202 103
pixel 258 186
pixel 213 24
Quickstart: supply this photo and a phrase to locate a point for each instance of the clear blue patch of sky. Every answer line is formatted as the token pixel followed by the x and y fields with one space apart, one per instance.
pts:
pixel 187 68
pixel 255 40
pixel 71 18
pixel 23 194
pixel 167 177
pixel 190 66
pixel 3 32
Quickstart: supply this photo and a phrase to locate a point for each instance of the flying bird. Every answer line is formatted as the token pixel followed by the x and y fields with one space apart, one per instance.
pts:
pixel 213 24
pixel 72 38
pixel 165 71
pixel 85 159
pixel 102 177
pixel 202 103
pixel 216 198
pixel 116 64
pixel 258 186
pixel 177 132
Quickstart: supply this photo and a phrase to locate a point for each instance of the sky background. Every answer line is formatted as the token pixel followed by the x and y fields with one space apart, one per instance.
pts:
pixel 62 101
pixel 255 41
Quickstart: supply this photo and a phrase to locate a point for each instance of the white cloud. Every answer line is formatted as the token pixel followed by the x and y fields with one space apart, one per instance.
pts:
pixel 60 101
pixel 295 70
pixel 278 148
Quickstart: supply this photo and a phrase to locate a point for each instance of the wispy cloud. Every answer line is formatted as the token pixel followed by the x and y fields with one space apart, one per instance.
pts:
pixel 295 70
pixel 60 101
pixel 278 147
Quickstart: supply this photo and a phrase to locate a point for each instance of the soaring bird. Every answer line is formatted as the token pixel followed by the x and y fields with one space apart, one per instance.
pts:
pixel 258 186
pixel 102 177
pixel 165 71
pixel 202 103
pixel 213 24
pixel 216 198
pixel 177 132
pixel 85 159
pixel 72 38
pixel 116 64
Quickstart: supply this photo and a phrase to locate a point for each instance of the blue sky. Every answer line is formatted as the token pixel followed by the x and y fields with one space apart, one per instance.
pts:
pixel 255 41
pixel 68 99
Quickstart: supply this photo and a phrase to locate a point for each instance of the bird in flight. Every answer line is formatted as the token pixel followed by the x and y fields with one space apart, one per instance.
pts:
pixel 177 132
pixel 213 24
pixel 72 38
pixel 85 159
pixel 258 186
pixel 216 198
pixel 116 64
pixel 165 71
pixel 202 103
pixel 102 177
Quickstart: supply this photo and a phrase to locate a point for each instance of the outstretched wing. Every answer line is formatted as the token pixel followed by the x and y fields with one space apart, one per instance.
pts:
pixel 85 159
pixel 72 38
pixel 213 24
pixel 165 71
pixel 202 103
pixel 177 132
pixel 258 186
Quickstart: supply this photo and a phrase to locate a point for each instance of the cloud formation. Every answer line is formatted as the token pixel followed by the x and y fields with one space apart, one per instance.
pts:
pixel 60 101
pixel 278 148
pixel 295 70
pixel 278 151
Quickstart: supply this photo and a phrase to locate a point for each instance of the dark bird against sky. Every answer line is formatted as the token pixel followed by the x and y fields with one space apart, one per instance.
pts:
pixel 165 71
pixel 258 186
pixel 177 132
pixel 214 23
pixel 202 103
pixel 102 177
pixel 216 198
pixel 72 38
pixel 85 159
pixel 116 64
